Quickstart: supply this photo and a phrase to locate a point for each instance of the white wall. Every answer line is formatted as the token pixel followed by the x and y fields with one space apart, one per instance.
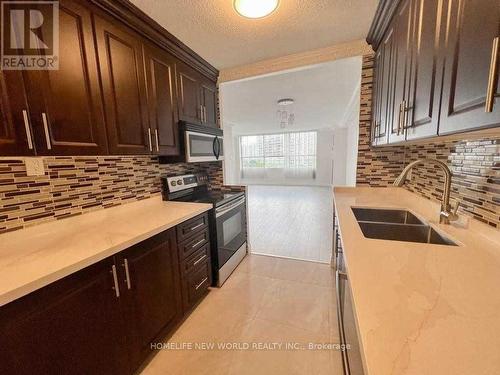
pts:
pixel 327 101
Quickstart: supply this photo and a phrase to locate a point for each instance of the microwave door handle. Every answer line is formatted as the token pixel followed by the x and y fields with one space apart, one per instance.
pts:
pixel 218 148
pixel 213 146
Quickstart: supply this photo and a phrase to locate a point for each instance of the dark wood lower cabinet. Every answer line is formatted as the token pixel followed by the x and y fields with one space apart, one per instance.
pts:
pixel 70 327
pixel 151 291
pixel 103 319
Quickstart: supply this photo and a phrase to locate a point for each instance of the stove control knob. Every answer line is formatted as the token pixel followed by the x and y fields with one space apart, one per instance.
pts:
pixel 179 182
pixel 173 183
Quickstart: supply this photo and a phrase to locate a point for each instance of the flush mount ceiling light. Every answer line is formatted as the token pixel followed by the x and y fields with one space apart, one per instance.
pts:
pixel 255 8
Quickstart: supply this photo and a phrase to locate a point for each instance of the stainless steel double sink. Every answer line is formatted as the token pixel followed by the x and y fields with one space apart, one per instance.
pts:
pixel 397 225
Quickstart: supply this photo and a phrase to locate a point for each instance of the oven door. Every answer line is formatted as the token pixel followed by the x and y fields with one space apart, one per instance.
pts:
pixel 203 147
pixel 231 224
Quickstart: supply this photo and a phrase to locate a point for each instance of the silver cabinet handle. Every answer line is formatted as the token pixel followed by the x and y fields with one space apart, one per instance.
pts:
pixel 157 141
pixel 405 114
pixel 200 284
pixel 197 226
pixel 127 274
pixel 116 288
pixel 400 117
pixel 490 93
pixel 27 129
pixel 150 140
pixel 46 130
pixel 201 112
pixel 198 243
pixel 199 260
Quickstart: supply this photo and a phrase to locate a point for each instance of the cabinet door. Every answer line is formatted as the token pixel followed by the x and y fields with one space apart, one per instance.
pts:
pixel 402 65
pixel 385 70
pixel 189 94
pixel 124 88
pixel 69 327
pixel 423 103
pixel 15 128
pixel 209 96
pixel 152 292
pixel 66 103
pixel 472 26
pixel 160 75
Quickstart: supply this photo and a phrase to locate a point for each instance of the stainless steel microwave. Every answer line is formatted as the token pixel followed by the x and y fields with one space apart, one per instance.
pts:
pixel 202 143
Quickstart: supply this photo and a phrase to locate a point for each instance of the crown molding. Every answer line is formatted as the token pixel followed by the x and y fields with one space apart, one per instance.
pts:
pixel 383 16
pixel 297 60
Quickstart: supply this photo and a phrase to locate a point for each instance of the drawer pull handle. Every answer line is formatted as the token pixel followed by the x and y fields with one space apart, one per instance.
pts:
pixel 197 226
pixel 116 288
pixel 199 260
pixel 198 243
pixel 127 274
pixel 200 284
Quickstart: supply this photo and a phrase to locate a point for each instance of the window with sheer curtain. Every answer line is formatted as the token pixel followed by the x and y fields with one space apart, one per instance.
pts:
pixel 291 154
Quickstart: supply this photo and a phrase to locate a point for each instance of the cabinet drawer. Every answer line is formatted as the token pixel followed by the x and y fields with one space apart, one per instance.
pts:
pixel 194 243
pixel 196 259
pixel 192 226
pixel 196 284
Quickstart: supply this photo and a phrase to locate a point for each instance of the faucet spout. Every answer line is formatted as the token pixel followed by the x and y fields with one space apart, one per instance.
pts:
pixel 447 214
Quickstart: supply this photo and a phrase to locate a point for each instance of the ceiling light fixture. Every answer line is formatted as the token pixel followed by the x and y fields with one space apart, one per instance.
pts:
pixel 255 8
pixel 285 114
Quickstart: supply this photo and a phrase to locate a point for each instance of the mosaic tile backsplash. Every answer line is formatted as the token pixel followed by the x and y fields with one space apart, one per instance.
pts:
pixel 74 185
pixel 475 164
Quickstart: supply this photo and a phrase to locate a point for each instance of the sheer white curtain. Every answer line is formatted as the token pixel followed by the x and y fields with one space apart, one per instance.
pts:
pixel 279 156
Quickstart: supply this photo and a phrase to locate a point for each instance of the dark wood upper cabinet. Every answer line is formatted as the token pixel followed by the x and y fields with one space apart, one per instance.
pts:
pixel 66 104
pixel 209 103
pixel 69 327
pixel 16 134
pixel 189 95
pixel 152 295
pixel 197 97
pixel 425 78
pixel 162 100
pixel 124 88
pixel 472 29
pixel 400 73
pixel 441 68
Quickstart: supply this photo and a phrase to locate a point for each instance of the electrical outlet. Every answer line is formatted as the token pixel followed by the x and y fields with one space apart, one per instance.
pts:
pixel 34 166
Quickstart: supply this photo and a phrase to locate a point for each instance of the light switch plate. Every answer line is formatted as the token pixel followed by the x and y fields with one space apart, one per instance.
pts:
pixel 34 166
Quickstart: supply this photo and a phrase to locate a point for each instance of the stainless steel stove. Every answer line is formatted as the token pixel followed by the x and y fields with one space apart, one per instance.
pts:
pixel 228 226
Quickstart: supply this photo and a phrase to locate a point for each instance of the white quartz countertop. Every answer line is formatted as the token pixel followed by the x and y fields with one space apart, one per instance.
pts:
pixel 37 256
pixel 422 309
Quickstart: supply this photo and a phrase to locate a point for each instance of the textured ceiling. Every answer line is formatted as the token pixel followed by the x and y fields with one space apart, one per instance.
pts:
pixel 214 30
pixel 322 97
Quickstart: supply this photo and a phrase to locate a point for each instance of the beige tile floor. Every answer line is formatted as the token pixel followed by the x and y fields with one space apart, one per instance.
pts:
pixel 291 222
pixel 266 300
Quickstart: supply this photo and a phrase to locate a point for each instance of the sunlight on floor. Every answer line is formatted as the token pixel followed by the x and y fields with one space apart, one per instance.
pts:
pixel 291 221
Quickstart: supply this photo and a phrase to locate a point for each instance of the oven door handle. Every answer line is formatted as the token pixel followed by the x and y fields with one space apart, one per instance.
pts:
pixel 222 210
